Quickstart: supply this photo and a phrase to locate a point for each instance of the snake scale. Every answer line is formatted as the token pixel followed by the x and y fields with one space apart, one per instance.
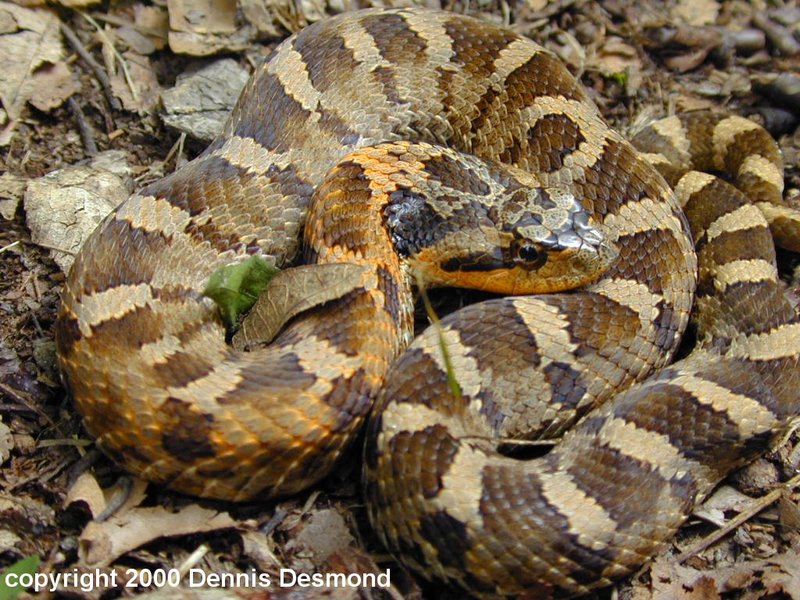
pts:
pixel 364 115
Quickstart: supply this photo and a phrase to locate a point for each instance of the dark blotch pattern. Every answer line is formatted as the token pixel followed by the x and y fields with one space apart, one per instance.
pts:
pixel 187 433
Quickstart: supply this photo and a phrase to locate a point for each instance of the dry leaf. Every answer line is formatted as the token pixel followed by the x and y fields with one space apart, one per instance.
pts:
pixel 6 442
pixel 723 500
pixel 789 514
pixel 8 541
pixel 259 547
pixel 53 85
pixel 293 291
pixel 78 3
pixel 201 101
pixel 65 206
pixel 206 27
pixel 145 96
pixel 34 35
pixel 615 56
pixel 202 16
pixel 101 543
pixel 12 189
pixel 87 490
pixel 696 12
pixel 671 581
pixel 260 14
pixel 323 533
pixel 154 22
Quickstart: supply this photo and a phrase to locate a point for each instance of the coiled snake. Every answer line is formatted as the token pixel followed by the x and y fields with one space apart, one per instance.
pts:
pixel 373 110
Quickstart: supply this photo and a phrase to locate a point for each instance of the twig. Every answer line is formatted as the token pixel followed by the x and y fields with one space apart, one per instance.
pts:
pixel 194 558
pixel 758 506
pixel 85 131
pixel 82 464
pixel 98 71
pixel 177 149
pixel 9 247
pixel 120 22
pixel 17 396
pixel 122 62
pixel 117 500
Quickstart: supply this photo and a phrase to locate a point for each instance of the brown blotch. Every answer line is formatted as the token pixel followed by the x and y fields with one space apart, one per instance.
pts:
pixel 133 250
pixel 395 40
pixel 325 57
pixel 277 129
pixel 387 281
pixel 67 334
pixel 552 138
pixel 451 173
pixel 187 433
pixel 715 199
pixel 538 523
pixel 431 451
pixel 475 45
pixel 352 397
pixel 129 332
pixel 617 178
pixel 742 244
pixel 609 476
pixel 645 254
pixel 181 368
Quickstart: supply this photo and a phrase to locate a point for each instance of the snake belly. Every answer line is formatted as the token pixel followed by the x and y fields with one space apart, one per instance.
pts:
pixel 144 354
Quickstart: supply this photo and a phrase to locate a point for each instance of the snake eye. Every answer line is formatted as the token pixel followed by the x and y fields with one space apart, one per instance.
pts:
pixel 528 255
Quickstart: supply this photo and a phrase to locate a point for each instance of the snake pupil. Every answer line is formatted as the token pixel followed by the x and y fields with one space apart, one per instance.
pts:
pixel 527 252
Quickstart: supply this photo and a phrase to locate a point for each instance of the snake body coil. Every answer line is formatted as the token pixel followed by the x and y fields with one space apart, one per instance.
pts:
pixel 144 354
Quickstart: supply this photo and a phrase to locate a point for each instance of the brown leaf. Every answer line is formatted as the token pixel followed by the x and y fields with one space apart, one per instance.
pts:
pixel 696 12
pixel 293 291
pixel 615 56
pixel 64 206
pixel 32 34
pixel 6 442
pixel 52 85
pixel 779 574
pixel 320 535
pixel 101 543
pixel 789 514
pixel 144 96
pixel 671 581
pixel 202 16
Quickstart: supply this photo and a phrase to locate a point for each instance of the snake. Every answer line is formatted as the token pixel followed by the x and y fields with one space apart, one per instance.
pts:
pixel 432 148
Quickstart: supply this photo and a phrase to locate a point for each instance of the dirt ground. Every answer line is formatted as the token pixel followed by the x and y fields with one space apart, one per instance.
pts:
pixel 68 505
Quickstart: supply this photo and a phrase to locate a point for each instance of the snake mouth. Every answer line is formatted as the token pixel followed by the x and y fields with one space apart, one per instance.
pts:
pixel 524 267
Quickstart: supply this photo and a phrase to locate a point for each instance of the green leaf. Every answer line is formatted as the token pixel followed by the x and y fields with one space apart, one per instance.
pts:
pixel 621 78
pixel 235 288
pixel 27 565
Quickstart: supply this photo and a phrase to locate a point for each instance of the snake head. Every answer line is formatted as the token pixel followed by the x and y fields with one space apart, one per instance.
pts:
pixel 530 241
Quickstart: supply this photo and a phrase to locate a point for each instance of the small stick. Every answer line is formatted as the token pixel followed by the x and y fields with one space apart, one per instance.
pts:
pixel 85 131
pixel 742 517
pixel 119 498
pixel 122 62
pixel 98 71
